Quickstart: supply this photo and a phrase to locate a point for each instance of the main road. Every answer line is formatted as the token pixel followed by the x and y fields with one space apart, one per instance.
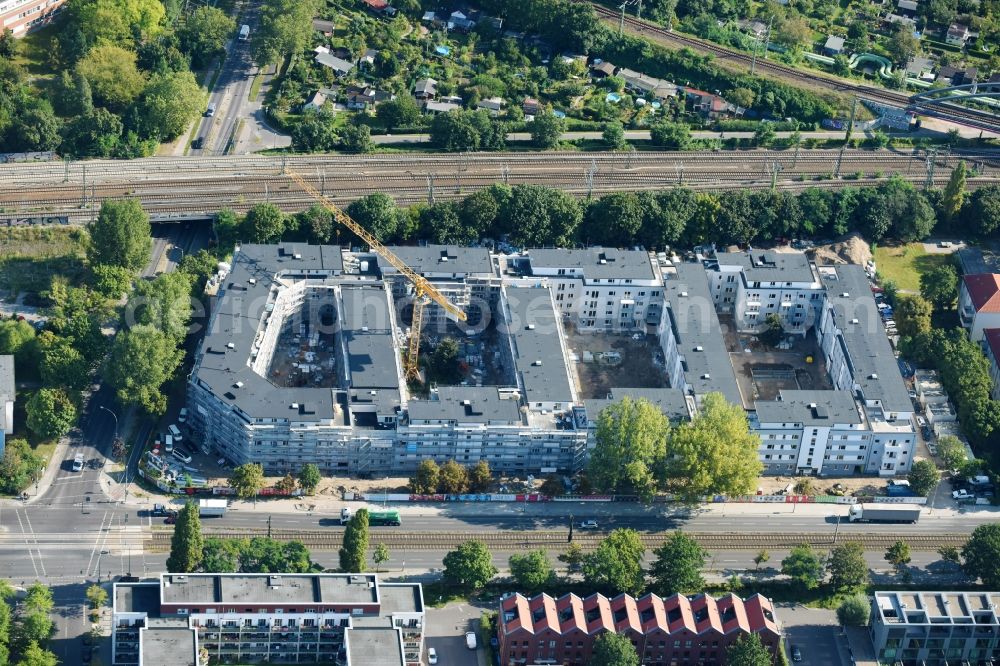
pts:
pixel 195 187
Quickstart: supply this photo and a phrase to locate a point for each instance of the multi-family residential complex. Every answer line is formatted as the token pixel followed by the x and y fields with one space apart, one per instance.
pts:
pixel 936 628
pixel 20 16
pixel 277 618
pixel 8 391
pixel 302 359
pixel 676 630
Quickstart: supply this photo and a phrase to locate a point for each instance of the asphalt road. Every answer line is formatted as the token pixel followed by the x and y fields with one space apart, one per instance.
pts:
pixel 231 92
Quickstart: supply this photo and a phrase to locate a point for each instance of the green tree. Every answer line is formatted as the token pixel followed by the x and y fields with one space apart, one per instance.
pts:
pixel 316 131
pixel 247 480
pixel 164 303
pixel 984 211
pixel 847 566
pixel 18 466
pixel 169 103
pixel 112 282
pixel 142 359
pixel 545 130
pixel 427 478
pixel 951 450
pixel 309 478
pixel 113 74
pixel 97 596
pixel 470 566
pixel 678 566
pixel 573 557
pixel 903 45
pixel 748 651
pixel 614 220
pixel 630 441
pixel 761 557
pixel 675 136
pixel 616 565
pixel 35 655
pixel 611 649
pixel 356 139
pixel 51 413
pixel 121 235
pixel 480 477
pixel 950 554
pixel 898 555
pixel 285 28
pixel 923 477
pixel 940 286
pixel 400 112
pixel 378 214
pixel 803 566
pixel 715 453
pixel 981 554
pixel 454 478
pixel 286 484
pixel 764 135
pixel 455 131
pixel 118 21
pixel 912 315
pixel 265 223
pixel 531 571
pixel 773 331
pixel 60 363
pixel 853 611
pixel 354 552
pixel 97 133
pixel 479 211
pixel 187 543
pixel 16 336
pixel 36 128
pixel 954 192
pixel 205 33
pixel 614 136
pixel 380 556
pixel 221 555
pixel 536 216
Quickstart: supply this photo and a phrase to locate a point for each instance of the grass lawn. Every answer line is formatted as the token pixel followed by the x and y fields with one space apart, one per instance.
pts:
pixel 904 264
pixel 30 257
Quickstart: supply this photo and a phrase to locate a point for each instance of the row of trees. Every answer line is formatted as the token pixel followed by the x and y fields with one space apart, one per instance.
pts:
pixel 533 215
pixel 26 626
pixel 639 452
pixel 451 478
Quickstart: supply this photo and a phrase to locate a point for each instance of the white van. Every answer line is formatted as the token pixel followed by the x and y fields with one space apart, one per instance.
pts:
pixel 168 443
pixel 244 32
pixel 175 431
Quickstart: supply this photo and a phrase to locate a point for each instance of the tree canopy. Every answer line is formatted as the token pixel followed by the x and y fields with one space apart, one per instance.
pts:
pixel 981 554
pixel 616 565
pixel 470 565
pixel 678 566
pixel 121 235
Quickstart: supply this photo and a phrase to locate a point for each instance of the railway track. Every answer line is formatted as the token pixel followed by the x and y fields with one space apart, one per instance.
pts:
pixel 508 541
pixel 978 119
pixel 193 186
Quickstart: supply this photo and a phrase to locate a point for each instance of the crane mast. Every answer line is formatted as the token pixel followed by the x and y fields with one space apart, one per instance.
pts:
pixel 423 290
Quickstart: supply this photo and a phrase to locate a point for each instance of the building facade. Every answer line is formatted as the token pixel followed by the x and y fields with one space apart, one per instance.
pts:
pixel 673 631
pixel 979 303
pixel 22 16
pixel 936 628
pixel 353 619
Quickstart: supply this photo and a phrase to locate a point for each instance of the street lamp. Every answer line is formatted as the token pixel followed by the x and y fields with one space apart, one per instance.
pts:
pixel 115 416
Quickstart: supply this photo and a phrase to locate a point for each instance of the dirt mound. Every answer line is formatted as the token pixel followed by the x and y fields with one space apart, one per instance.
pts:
pixel 851 249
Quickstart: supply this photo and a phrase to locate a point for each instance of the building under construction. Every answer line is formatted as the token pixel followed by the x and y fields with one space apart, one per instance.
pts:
pixel 304 359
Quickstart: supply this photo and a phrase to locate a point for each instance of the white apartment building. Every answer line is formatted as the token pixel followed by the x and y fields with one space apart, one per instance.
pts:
pixel 759 283
pixel 979 303
pixel 22 16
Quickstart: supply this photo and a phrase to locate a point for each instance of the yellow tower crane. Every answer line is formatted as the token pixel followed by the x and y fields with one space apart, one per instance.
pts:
pixel 423 291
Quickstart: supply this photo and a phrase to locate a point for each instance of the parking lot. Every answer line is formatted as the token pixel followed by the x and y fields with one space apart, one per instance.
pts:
pixel 445 633
pixel 816 633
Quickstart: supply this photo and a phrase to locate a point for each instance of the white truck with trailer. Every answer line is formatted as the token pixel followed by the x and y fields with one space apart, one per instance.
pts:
pixel 884 513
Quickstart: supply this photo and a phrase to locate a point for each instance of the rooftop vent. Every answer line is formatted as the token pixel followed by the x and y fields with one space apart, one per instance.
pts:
pixel 699 348
pixel 178 579
pixel 295 405
pixel 466 402
pixel 706 376
pixel 684 293
pixel 444 257
pixel 537 362
pixel 812 405
pixel 274 581
pixel 873 376
pixel 252 280
pixel 846 294
pixel 230 345
pixel 364 329
pixel 604 261
pixel 855 321
pixel 238 385
pixel 298 256
pixel 530 327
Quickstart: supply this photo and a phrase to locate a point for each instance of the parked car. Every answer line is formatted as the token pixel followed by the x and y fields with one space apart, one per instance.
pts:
pixel 796 653
pixel 175 431
pixel 588 525
pixel 962 495
pixel 170 520
pixel 470 640
pixel 432 656
pixel 183 416
pixel 183 456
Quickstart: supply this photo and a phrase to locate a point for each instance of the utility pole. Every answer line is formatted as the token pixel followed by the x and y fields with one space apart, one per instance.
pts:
pixel 269 526
pixel 774 175
pixel 284 159
pixel 83 200
pixel 638 10
pixel 767 35
pixel 322 183
pixel 850 125
pixel 430 188
pixel 931 163
pixel 679 168
pixel 66 170
pixel 795 160
pixel 621 22
pixel 588 177
pixel 505 174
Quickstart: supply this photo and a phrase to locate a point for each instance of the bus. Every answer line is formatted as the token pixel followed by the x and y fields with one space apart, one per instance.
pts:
pixel 377 518
pixel 244 32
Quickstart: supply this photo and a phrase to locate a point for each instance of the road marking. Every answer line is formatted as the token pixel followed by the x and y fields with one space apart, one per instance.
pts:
pixel 27 519
pixel 31 555
pixel 97 541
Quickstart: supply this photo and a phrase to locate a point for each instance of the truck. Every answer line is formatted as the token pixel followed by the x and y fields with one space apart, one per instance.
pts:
pixel 884 513
pixel 212 507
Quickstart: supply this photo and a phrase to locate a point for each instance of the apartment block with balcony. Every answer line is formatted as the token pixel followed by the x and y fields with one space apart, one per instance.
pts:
pixel 979 303
pixel 936 628
pixel 23 16
pixel 674 631
pixel 762 283
pixel 276 618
